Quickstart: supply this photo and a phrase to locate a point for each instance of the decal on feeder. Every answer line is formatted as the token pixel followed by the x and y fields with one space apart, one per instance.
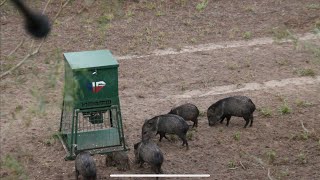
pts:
pixel 96 86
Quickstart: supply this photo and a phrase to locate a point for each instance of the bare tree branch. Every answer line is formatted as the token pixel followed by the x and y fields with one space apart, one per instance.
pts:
pixel 36 51
pixel 3 2
pixel 18 46
pixel 23 60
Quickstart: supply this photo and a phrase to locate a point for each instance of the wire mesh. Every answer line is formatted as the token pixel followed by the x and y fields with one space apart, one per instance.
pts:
pixel 97 120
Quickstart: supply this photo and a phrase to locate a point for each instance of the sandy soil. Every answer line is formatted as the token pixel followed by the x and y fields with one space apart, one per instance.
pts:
pixel 32 95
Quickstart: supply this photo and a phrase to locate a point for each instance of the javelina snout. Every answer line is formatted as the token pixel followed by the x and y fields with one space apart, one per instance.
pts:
pixel 239 106
pixel 168 123
pixel 188 112
pixel 85 166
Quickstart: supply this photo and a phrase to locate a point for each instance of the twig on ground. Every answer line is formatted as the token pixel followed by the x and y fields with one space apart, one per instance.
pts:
pixel 65 4
pixel 79 12
pixel 18 46
pixel 242 165
pixel 304 128
pixel 45 7
pixel 269 176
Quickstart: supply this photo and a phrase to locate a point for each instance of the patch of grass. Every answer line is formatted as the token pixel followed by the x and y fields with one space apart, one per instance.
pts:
pixel 16 170
pixel 202 114
pixel 302 103
pixel 181 2
pixel 52 139
pixel 105 19
pixel 49 141
pixel 302 158
pixel 249 9
pixel 247 35
pixel 271 156
pixel 282 62
pixel 306 72
pixel 317 27
pixel 280 33
pixel 160 13
pixel 130 13
pixel 27 121
pixel 232 66
pixel 265 111
pixel 190 135
pixel 236 136
pixel 248 62
pixel 18 108
pixel 285 109
pixel 150 5
pixel 202 5
pixel 186 22
pixel 193 40
pixel 304 135
pixel 313 6
pixel 173 137
pixel 232 164
pixel 284 173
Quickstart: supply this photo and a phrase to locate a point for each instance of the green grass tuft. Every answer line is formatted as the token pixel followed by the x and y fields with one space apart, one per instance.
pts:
pixel 236 136
pixel 14 167
pixel 265 111
pixel 285 109
pixel 202 5
pixel 271 156
pixel 306 72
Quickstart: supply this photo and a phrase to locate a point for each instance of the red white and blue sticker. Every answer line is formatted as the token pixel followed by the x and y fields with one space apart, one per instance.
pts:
pixel 96 86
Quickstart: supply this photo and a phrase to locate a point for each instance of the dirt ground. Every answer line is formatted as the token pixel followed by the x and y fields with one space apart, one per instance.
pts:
pixel 287 145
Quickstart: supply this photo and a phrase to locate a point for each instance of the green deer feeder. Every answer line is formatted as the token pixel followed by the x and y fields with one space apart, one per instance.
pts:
pixel 91 116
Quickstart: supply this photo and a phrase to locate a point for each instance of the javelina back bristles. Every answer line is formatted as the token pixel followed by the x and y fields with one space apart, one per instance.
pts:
pixel 148 151
pixel 168 123
pixel 85 166
pixel 188 112
pixel 240 106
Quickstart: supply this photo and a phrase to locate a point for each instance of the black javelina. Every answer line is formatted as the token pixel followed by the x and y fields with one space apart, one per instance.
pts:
pixel 168 123
pixel 188 112
pixel 119 159
pixel 148 151
pixel 85 166
pixel 239 106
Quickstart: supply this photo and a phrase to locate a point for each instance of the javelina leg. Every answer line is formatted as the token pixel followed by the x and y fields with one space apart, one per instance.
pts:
pixel 163 134
pixel 251 118
pixel 222 118
pixel 141 163
pixel 184 140
pixel 247 121
pixel 228 120
pixel 157 169
pixel 195 123
pixel 77 174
